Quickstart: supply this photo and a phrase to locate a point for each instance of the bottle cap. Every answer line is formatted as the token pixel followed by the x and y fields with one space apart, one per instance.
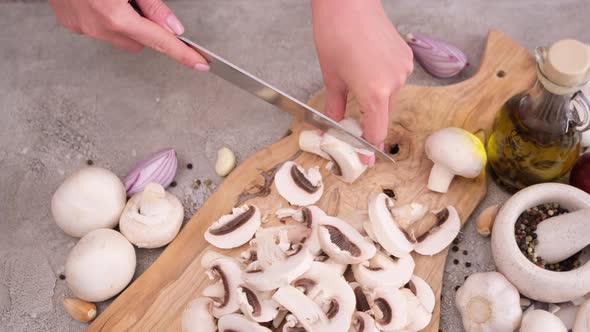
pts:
pixel 567 63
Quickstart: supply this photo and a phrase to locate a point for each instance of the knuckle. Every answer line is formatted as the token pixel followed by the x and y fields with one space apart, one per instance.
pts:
pixel 161 45
pixel 154 7
pixel 376 98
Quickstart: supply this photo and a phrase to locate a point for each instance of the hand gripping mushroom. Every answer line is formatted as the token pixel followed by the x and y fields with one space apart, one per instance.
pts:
pixel 454 151
pixel 235 229
pixel 225 289
pixel 442 234
pixel 541 320
pixel 297 186
pixel 390 235
pixel 239 323
pixel 381 270
pixel 197 316
pixel 487 301
pixel 151 218
pixel 343 243
pixel 89 199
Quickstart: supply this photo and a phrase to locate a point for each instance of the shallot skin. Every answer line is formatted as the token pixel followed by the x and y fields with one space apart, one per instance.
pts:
pixel 439 58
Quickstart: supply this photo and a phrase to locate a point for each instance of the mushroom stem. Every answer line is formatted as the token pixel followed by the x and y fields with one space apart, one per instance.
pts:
pixel 153 200
pixel 440 178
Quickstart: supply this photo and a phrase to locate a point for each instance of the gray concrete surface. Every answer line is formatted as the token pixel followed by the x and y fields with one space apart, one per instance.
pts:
pixel 65 99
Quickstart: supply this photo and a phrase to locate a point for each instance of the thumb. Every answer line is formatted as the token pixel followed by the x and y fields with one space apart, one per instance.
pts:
pixel 375 120
pixel 156 11
pixel 335 103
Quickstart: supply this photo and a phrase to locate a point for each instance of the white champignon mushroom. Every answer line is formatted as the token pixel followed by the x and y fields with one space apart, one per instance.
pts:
pixel 309 141
pixel 487 301
pixel 423 292
pixel 258 306
pixel 582 323
pixel 442 234
pixel 239 323
pixel 347 163
pixel 409 213
pixel 541 320
pixel 343 243
pixel 100 265
pixel 567 314
pixel 151 218
pixel 390 308
pixel 310 216
pixel 419 317
pixel 89 199
pixel 382 270
pixel 363 322
pixel 390 235
pixel 454 151
pixel 224 290
pixel 235 229
pixel 298 186
pixel 352 125
pixel 362 296
pixel 197 316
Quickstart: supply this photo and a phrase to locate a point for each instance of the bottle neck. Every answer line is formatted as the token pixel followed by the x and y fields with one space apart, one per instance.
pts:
pixel 548 112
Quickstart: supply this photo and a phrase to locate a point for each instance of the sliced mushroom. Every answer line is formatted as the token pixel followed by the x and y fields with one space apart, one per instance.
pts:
pixel 347 164
pixel 442 234
pixel 541 320
pixel 309 141
pixel 363 322
pixel 258 306
pixel 225 290
pixel 409 214
pixel 343 243
pixel 292 324
pixel 235 229
pixel 279 273
pixel 239 323
pixel 197 316
pixel 390 308
pixel 369 230
pixel 582 323
pixel 310 216
pixel 362 297
pixel 423 292
pixel 308 313
pixel 418 315
pixel 382 270
pixel 352 125
pixel 297 186
pixel 394 239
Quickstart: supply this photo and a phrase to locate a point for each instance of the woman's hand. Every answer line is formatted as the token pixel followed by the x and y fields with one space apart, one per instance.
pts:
pixel 360 52
pixel 116 22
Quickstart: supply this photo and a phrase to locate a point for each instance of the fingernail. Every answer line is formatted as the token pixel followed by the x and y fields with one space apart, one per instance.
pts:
pixel 201 67
pixel 174 24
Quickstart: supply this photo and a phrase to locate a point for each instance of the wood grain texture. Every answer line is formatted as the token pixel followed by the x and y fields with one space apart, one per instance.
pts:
pixel 155 301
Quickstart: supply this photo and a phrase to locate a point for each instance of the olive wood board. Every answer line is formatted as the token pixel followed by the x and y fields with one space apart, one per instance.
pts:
pixel 156 300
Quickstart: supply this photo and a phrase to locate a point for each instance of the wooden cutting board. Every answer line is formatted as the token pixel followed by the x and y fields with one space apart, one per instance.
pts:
pixel 156 300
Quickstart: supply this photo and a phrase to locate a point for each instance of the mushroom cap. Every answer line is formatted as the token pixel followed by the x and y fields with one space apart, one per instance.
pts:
pixel 395 240
pixel 381 270
pixel 541 320
pixel 239 323
pixel 226 287
pixel 152 231
pixel 458 150
pixel 291 189
pixel 230 231
pixel 343 243
pixel 89 199
pixel 197 316
pixel 423 292
pixel 100 265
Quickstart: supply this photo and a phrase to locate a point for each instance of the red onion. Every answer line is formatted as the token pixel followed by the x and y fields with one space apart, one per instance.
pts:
pixel 437 57
pixel 580 174
pixel 158 168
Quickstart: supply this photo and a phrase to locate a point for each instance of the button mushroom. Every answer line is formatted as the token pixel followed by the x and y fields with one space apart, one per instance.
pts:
pixel 347 164
pixel 225 290
pixel 362 296
pixel 394 239
pixel 381 270
pixel 582 323
pixel 152 218
pixel 390 308
pixel 100 265
pixel 239 323
pixel 235 229
pixel 197 316
pixel 454 151
pixel 363 322
pixel 541 320
pixel 309 141
pixel 488 302
pixel 89 199
pixel 297 186
pixel 258 306
pixel 343 243
pixel 423 292
pixel 442 234
pixel 419 317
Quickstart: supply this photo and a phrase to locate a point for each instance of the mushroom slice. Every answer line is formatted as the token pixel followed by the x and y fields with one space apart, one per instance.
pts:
pixel 297 186
pixel 423 292
pixel 228 271
pixel 309 141
pixel 197 316
pixel 487 301
pixel 390 308
pixel 363 322
pixel 582 323
pixel 369 230
pixel 292 324
pixel 343 243
pixel 382 270
pixel 394 239
pixel 280 273
pixel 442 234
pixel 418 315
pixel 310 216
pixel 239 323
pixel 258 306
pixel 409 214
pixel 541 320
pixel 352 125
pixel 347 164
pixel 235 229
pixel 362 297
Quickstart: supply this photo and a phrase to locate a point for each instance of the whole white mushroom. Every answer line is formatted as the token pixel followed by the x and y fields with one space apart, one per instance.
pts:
pixel 151 218
pixel 89 199
pixel 541 320
pixel 100 265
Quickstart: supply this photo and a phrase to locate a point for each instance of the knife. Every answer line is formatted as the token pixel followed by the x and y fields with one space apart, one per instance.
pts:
pixel 256 86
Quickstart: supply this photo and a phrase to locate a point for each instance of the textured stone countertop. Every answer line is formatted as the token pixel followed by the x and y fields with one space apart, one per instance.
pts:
pixel 65 99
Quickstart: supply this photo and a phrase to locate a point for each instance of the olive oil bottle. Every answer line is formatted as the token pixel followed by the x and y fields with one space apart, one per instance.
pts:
pixel 536 134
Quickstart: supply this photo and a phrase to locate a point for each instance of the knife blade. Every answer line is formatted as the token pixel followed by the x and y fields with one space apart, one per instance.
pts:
pixel 272 95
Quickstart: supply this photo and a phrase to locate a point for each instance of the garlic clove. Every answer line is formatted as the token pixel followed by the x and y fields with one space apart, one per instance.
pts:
pixel 226 161
pixel 79 310
pixel 485 221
